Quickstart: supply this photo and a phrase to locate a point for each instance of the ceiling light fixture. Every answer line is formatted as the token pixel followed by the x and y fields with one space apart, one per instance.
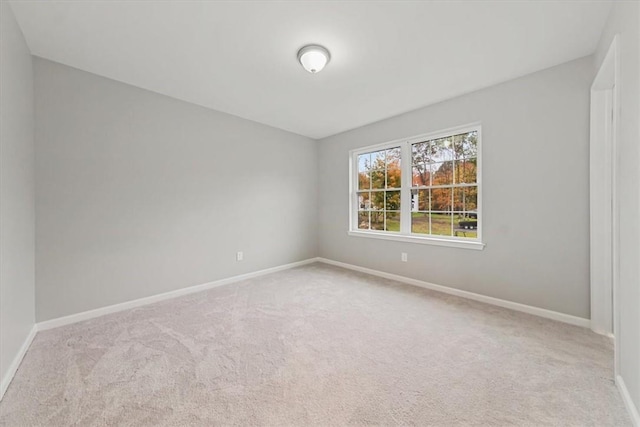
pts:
pixel 313 58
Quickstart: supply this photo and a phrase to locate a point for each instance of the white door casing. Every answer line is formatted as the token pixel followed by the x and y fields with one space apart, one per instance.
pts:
pixel 604 227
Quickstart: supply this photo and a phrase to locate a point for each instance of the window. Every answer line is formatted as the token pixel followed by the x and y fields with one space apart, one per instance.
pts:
pixel 424 189
pixel 379 188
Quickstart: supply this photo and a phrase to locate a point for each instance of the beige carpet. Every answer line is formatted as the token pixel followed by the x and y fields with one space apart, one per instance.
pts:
pixel 316 345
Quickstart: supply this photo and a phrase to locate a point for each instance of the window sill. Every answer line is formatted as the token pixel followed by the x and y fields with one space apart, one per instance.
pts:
pixel 463 244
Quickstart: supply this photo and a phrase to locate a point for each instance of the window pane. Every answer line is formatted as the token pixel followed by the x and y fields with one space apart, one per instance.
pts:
pixel 465 199
pixel 420 223
pixel 469 234
pixel 377 220
pixel 466 145
pixel 466 171
pixel 364 162
pixel 394 175
pixel 378 159
pixel 392 200
pixel 421 153
pixel 421 175
pixel 465 226
pixel 364 203
pixel 441 199
pixel 434 169
pixel 392 221
pixel 441 224
pixel 442 173
pixel 377 200
pixel 364 181
pixel 442 149
pixel 393 156
pixel 465 221
pixel 420 200
pixel 377 179
pixel 363 220
pixel 459 199
pixel 458 146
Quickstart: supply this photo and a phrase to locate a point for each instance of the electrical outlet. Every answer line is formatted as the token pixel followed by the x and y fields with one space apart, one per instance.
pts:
pixel 239 256
pixel 404 256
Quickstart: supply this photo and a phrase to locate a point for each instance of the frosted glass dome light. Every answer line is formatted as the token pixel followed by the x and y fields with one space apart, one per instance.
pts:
pixel 313 58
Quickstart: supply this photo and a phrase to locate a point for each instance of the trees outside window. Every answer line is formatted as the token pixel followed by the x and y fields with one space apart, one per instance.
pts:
pixel 379 185
pixel 423 187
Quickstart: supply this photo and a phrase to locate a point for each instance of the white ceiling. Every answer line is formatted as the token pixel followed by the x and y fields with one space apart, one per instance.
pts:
pixel 240 57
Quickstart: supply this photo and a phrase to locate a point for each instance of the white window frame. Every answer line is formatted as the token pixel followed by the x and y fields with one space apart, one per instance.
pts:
pixel 405 235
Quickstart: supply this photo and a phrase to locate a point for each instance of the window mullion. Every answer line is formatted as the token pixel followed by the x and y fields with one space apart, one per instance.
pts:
pixel 405 191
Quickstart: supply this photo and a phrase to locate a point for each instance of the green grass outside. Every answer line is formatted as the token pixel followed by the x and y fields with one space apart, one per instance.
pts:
pixel 440 224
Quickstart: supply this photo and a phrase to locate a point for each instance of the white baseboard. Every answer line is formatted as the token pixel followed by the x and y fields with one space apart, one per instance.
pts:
pixel 90 314
pixel 549 314
pixel 13 368
pixel 628 402
pixel 85 315
pixel 66 320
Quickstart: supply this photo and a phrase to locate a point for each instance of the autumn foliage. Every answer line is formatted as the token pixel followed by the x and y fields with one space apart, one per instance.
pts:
pixel 443 177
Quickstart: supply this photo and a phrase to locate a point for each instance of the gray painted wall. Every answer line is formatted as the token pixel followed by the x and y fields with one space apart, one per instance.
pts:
pixel 625 21
pixel 139 194
pixel 535 193
pixel 16 190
